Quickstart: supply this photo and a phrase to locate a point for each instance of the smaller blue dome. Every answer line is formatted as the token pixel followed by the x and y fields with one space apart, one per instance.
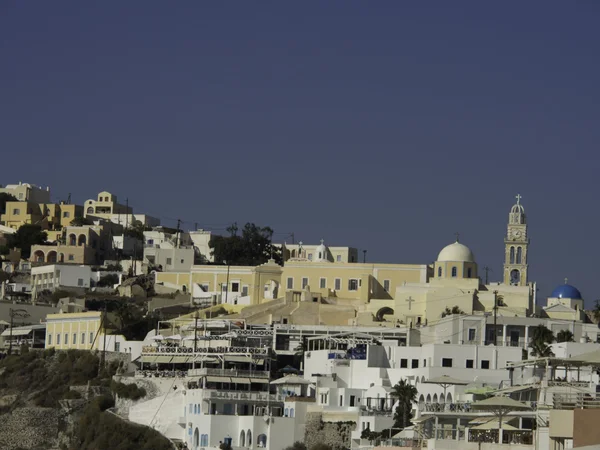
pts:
pixel 566 291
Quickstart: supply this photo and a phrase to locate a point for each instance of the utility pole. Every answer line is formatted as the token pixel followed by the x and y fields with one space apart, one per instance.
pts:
pixel 495 318
pixel 486 270
pixel 14 313
pixel 126 214
pixel 103 328
pixel 195 333
pixel 178 226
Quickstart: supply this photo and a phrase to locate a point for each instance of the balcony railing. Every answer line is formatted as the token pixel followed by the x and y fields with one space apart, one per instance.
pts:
pixel 228 373
pixel 249 396
pixel 582 384
pixel 576 401
pixel 458 407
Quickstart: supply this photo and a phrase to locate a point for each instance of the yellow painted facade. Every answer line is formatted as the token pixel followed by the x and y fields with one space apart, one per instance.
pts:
pixel 49 216
pixel 104 207
pixel 74 331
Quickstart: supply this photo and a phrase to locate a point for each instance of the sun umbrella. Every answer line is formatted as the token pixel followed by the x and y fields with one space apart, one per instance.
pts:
pixel 499 406
pixel 494 424
pixel 291 379
pixel 444 381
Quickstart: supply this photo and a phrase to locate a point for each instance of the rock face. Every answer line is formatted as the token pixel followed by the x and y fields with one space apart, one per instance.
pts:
pixel 31 427
pixel 334 434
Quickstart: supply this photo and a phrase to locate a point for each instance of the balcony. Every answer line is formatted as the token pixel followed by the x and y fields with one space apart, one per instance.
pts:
pixel 228 373
pixel 576 401
pixel 243 395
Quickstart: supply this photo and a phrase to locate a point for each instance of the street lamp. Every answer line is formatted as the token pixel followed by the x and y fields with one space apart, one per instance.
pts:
pixel 14 313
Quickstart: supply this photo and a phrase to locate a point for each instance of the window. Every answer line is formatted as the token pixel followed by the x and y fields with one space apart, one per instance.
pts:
pixel 16 211
pixel 82 338
pixel 74 338
pixel 92 337
pixel 353 285
pixel 512 255
pixel 339 258
pixel 404 363
pixel 49 339
pixel 169 261
pixel 71 257
pixel 304 282
pixel 485 364
pixel 182 261
pixel 310 256
pixel 57 339
pixel 439 272
pixel 245 290
pixel 519 255
pixel 469 272
pixel 235 287
pixel 415 364
pixel 338 284
pixel 454 272
pixel 446 362
pixel 150 242
pixel 117 346
pixel 66 214
pixel 80 282
pixel 290 283
pixel 66 339
pixel 386 285
pixel 352 400
pixel 20 196
pixel 323 283
pixel 341 400
pixel 469 363
pixel 472 334
pixel 424 363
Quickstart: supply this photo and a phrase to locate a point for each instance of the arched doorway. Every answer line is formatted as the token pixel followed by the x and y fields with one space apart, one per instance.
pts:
pixel 72 240
pixel 242 439
pixel 249 438
pixel 262 441
pixel 51 256
pixel 515 277
pixel 61 257
pixel 449 398
pixel 82 240
pixel 428 401
pixel 386 310
pixel 38 256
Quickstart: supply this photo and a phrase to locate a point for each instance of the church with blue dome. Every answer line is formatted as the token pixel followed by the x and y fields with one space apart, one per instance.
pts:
pixel 565 302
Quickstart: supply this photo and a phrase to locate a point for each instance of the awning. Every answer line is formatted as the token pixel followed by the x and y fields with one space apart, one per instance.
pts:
pixel 240 380
pixel 153 359
pixel 238 358
pixel 181 359
pixel 219 379
pixel 205 358
pixel 519 388
pixel 16 332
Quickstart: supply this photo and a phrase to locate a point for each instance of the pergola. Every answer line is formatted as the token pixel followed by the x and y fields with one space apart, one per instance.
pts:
pixel 334 341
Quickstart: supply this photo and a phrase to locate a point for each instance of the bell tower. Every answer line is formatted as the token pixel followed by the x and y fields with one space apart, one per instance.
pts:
pixel 516 244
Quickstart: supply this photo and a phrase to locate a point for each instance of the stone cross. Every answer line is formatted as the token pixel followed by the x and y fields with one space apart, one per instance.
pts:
pixel 518 197
pixel 457 234
pixel 410 300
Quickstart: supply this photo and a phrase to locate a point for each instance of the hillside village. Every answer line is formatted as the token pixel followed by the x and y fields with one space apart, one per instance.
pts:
pixel 236 341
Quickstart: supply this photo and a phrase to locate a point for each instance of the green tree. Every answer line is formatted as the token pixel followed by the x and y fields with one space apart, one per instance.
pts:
pixel 406 394
pixel 252 248
pixel 564 336
pixel 455 310
pixel 4 197
pixel 136 230
pixel 80 221
pixel 26 236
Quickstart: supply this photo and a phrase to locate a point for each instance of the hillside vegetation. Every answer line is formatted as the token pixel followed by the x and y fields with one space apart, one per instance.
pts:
pixel 44 378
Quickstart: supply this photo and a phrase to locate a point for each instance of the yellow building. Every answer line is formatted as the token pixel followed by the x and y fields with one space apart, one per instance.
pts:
pixel 51 217
pixel 26 192
pixel 105 207
pixel 80 331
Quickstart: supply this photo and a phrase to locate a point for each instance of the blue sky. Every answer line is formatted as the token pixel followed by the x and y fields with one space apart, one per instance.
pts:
pixel 388 126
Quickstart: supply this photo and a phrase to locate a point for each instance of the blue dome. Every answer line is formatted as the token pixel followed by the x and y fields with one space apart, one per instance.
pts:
pixel 566 291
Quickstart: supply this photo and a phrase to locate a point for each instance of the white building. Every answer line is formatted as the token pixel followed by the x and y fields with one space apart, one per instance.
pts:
pixel 127 220
pixel 55 276
pixel 168 252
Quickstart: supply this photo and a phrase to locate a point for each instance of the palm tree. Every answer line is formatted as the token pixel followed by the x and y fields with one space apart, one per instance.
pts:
pixel 540 349
pixel 565 336
pixel 406 394
pixel 596 311
pixel 541 337
pixel 543 334
pixel 300 350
